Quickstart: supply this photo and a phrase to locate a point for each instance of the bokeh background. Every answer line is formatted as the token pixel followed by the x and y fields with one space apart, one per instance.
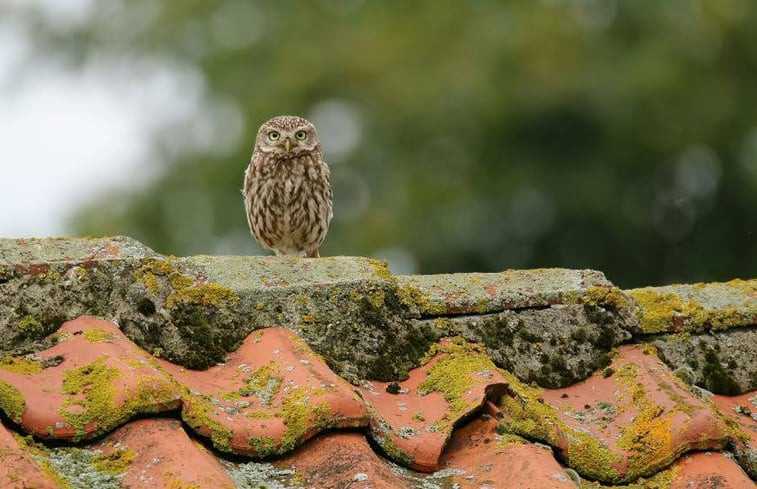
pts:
pixel 619 135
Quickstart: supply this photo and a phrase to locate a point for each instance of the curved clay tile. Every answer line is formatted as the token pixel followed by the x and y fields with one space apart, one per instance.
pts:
pixel 91 381
pixel 633 419
pixel 412 420
pixel 272 394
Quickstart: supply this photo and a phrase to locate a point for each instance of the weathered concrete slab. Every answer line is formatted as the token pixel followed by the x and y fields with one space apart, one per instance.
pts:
pixel 365 322
pixel 550 326
pixel 553 347
pixel 723 362
pixel 480 293
pixel 37 255
pixel 696 307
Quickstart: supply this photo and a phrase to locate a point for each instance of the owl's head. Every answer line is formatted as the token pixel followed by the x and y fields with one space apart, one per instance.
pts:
pixel 287 136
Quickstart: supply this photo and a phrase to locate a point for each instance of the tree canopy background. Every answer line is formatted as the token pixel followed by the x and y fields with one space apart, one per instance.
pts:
pixel 619 135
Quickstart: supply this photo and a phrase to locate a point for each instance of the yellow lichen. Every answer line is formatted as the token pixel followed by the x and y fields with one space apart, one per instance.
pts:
pixel 300 416
pixel 183 289
pixel 657 310
pixel 41 458
pixel 452 374
pixel 507 439
pixel 30 325
pixel 21 365
pixel 117 461
pixel 528 415
pixel 199 416
pixel 413 297
pixel 665 311
pixel 91 389
pixel 11 401
pixel 95 335
pixel 609 296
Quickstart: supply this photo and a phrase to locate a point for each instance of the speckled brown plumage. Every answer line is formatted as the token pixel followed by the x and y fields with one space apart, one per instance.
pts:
pixel 287 188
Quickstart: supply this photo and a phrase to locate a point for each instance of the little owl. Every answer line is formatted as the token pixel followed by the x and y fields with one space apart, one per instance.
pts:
pixel 287 191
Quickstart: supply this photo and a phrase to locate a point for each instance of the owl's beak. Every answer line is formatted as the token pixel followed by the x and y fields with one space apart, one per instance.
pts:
pixel 287 145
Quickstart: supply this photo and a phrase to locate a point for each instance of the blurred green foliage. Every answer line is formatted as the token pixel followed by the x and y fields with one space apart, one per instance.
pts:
pixel 617 135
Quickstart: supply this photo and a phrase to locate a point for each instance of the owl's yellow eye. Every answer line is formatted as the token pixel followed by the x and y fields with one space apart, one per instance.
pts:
pixel 300 135
pixel 274 135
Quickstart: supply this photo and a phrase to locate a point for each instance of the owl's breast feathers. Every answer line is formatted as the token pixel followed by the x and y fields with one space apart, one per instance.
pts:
pixel 288 202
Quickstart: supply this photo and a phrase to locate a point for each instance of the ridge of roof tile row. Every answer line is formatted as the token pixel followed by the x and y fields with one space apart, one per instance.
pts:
pixel 634 419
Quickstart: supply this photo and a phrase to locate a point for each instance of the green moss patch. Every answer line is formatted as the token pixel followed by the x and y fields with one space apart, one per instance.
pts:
pixel 90 388
pixel 11 401
pixel 95 335
pixel 117 461
pixel 200 418
pixel 529 416
pixel 697 307
pixel 21 365
pixel 453 374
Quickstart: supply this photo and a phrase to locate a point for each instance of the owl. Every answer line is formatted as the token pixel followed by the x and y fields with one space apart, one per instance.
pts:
pixel 287 188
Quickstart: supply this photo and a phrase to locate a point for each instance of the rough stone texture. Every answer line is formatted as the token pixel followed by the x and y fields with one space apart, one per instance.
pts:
pixel 44 282
pixel 723 362
pixel 366 323
pixel 696 307
pixel 553 347
pixel 480 293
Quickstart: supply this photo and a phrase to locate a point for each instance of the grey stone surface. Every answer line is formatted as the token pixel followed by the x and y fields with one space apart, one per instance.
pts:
pixel 553 347
pixel 549 326
pixel 480 293
pixel 723 362
pixel 696 307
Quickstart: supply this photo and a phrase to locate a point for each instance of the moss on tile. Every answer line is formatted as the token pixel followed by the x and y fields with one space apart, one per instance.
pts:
pixel 21 365
pixel 264 383
pixel 176 483
pixel 199 416
pixel 508 439
pixel 452 374
pixel 648 440
pixel 91 388
pixel 661 480
pixel 117 461
pixel 300 416
pixel 263 445
pixel 527 415
pixel 12 401
pixel 382 433
pixel 42 458
pixel 95 335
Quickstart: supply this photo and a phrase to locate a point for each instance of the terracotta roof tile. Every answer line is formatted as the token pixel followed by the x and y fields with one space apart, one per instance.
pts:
pixel 91 381
pixel 158 453
pixel 412 420
pixel 633 419
pixel 270 395
pixel 18 469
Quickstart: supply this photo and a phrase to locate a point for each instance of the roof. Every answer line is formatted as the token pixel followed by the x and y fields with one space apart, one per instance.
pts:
pixel 124 368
